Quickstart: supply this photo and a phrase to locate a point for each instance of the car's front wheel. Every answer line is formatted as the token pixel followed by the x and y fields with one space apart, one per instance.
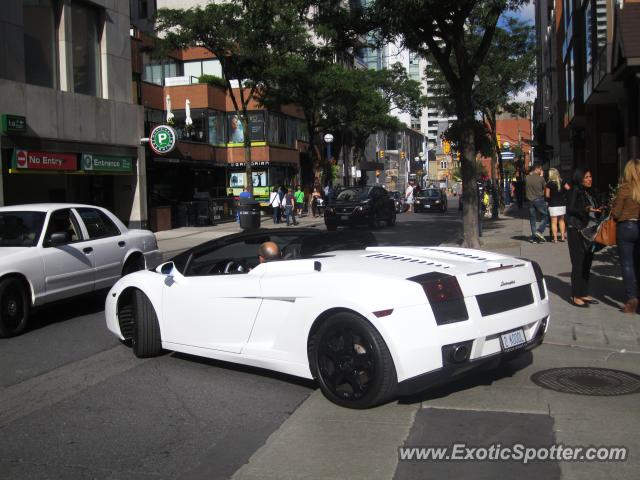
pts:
pixel 146 340
pixel 14 307
pixel 392 219
pixel 352 363
pixel 331 226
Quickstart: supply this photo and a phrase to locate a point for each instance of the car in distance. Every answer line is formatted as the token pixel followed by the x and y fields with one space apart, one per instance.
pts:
pixel 53 251
pixel 366 324
pixel 360 206
pixel 431 199
pixel 398 199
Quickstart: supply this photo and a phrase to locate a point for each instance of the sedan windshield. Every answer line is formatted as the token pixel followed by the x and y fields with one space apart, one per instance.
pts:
pixel 20 229
pixel 353 194
pixel 430 192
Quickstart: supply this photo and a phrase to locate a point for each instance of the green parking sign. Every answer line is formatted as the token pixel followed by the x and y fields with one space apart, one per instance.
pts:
pixel 162 139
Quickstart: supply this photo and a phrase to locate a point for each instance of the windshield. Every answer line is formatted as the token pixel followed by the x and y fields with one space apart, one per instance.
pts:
pixel 430 192
pixel 353 194
pixel 20 229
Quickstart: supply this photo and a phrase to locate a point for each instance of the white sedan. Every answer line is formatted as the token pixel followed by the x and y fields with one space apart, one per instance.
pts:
pixel 56 250
pixel 367 324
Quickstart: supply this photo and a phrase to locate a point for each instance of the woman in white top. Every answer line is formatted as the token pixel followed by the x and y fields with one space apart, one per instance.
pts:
pixel 408 196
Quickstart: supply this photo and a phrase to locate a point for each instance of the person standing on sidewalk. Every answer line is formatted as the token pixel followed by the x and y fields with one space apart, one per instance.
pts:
pixel 274 201
pixel 299 196
pixel 289 208
pixel 555 194
pixel 582 209
pixel 534 186
pixel 626 212
pixel 408 196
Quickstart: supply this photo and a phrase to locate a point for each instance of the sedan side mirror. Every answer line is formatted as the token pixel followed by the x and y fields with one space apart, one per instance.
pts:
pixel 166 268
pixel 58 238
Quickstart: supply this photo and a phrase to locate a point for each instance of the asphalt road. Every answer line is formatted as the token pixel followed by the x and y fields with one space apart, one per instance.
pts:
pixel 75 403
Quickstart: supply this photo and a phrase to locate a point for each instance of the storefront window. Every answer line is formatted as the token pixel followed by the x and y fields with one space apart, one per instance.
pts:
pixel 39 42
pixel 256 125
pixel 85 48
pixel 236 128
pixel 216 128
pixel 277 132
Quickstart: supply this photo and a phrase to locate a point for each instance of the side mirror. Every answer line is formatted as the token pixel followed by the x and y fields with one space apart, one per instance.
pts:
pixel 166 268
pixel 58 238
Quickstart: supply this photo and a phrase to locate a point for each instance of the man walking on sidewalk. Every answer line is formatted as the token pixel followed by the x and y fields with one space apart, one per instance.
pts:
pixel 534 187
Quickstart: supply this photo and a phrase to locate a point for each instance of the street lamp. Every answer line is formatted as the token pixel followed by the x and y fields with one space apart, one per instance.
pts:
pixel 328 138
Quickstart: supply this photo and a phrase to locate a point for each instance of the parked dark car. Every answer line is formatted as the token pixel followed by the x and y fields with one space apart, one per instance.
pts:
pixel 431 199
pixel 360 206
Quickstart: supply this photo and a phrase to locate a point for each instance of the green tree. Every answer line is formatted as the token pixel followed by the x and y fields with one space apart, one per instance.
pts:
pixel 458 35
pixel 246 36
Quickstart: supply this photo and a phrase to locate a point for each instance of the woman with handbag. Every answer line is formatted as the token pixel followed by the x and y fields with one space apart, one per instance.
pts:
pixel 626 212
pixel 582 211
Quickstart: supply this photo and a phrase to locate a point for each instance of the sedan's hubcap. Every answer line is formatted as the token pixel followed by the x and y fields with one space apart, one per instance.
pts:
pixel 12 307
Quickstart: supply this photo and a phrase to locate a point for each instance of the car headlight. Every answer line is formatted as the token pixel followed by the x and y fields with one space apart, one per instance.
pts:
pixel 358 209
pixel 417 201
pixel 437 201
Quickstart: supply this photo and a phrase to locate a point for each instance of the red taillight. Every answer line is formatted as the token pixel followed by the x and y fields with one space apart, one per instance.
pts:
pixel 445 297
pixel 446 288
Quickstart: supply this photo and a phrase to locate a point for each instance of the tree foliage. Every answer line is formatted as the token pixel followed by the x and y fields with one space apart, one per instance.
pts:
pixel 457 34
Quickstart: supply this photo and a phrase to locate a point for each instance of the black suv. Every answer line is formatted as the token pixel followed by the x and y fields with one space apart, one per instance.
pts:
pixel 431 199
pixel 360 205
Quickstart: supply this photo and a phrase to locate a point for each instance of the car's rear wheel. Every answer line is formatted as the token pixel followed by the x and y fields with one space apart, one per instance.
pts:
pixel 134 263
pixel 352 363
pixel 146 340
pixel 14 307
pixel 331 227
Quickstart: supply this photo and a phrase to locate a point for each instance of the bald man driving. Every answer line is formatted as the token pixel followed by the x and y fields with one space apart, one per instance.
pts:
pixel 268 251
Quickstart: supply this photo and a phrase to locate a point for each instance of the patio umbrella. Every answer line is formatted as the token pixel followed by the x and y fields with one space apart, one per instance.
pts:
pixel 187 107
pixel 169 114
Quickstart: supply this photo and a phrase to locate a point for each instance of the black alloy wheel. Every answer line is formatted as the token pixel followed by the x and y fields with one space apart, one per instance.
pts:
pixel 14 307
pixel 352 363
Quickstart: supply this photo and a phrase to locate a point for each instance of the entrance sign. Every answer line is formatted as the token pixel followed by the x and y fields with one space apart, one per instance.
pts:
pixel 106 163
pixel 29 160
pixel 162 139
pixel 13 124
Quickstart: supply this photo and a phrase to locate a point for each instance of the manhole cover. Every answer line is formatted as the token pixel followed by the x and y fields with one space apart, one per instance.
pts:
pixel 588 381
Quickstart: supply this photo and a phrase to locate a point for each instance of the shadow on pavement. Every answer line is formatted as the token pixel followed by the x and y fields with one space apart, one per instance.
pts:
pixel 67 309
pixel 482 377
pixel 236 367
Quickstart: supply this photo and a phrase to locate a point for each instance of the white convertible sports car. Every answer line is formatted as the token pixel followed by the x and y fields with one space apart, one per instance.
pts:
pixel 367 324
pixel 56 250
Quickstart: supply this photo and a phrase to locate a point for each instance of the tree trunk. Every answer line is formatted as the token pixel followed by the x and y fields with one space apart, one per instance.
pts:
pixel 470 212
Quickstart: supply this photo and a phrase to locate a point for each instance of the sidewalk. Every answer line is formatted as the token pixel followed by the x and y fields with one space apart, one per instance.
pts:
pixel 172 242
pixel 599 326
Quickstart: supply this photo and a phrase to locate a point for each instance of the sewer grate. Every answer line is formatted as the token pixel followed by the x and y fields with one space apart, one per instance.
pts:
pixel 588 381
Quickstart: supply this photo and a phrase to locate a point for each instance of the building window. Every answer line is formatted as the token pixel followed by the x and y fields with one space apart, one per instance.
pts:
pixel 40 42
pixel 85 48
pixel 443 164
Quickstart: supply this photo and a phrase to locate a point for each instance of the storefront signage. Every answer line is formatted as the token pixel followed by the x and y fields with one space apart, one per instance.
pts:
pixel 29 160
pixel 13 124
pixel 105 163
pixel 162 139
pixel 253 164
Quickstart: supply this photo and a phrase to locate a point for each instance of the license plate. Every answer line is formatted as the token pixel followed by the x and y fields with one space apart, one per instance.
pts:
pixel 512 340
pixel 344 217
pixel 428 206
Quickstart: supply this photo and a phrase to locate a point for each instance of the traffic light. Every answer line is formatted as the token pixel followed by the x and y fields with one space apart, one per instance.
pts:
pixel 446 146
pixel 381 154
pixel 499 141
pixel 402 154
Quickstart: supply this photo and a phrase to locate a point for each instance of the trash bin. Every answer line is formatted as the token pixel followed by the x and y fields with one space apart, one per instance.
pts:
pixel 249 214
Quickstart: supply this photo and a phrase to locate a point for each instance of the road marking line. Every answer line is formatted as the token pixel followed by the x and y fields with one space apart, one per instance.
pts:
pixel 52 387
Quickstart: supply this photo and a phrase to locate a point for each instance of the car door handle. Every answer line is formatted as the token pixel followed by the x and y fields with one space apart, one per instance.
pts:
pixel 87 249
pixel 122 243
